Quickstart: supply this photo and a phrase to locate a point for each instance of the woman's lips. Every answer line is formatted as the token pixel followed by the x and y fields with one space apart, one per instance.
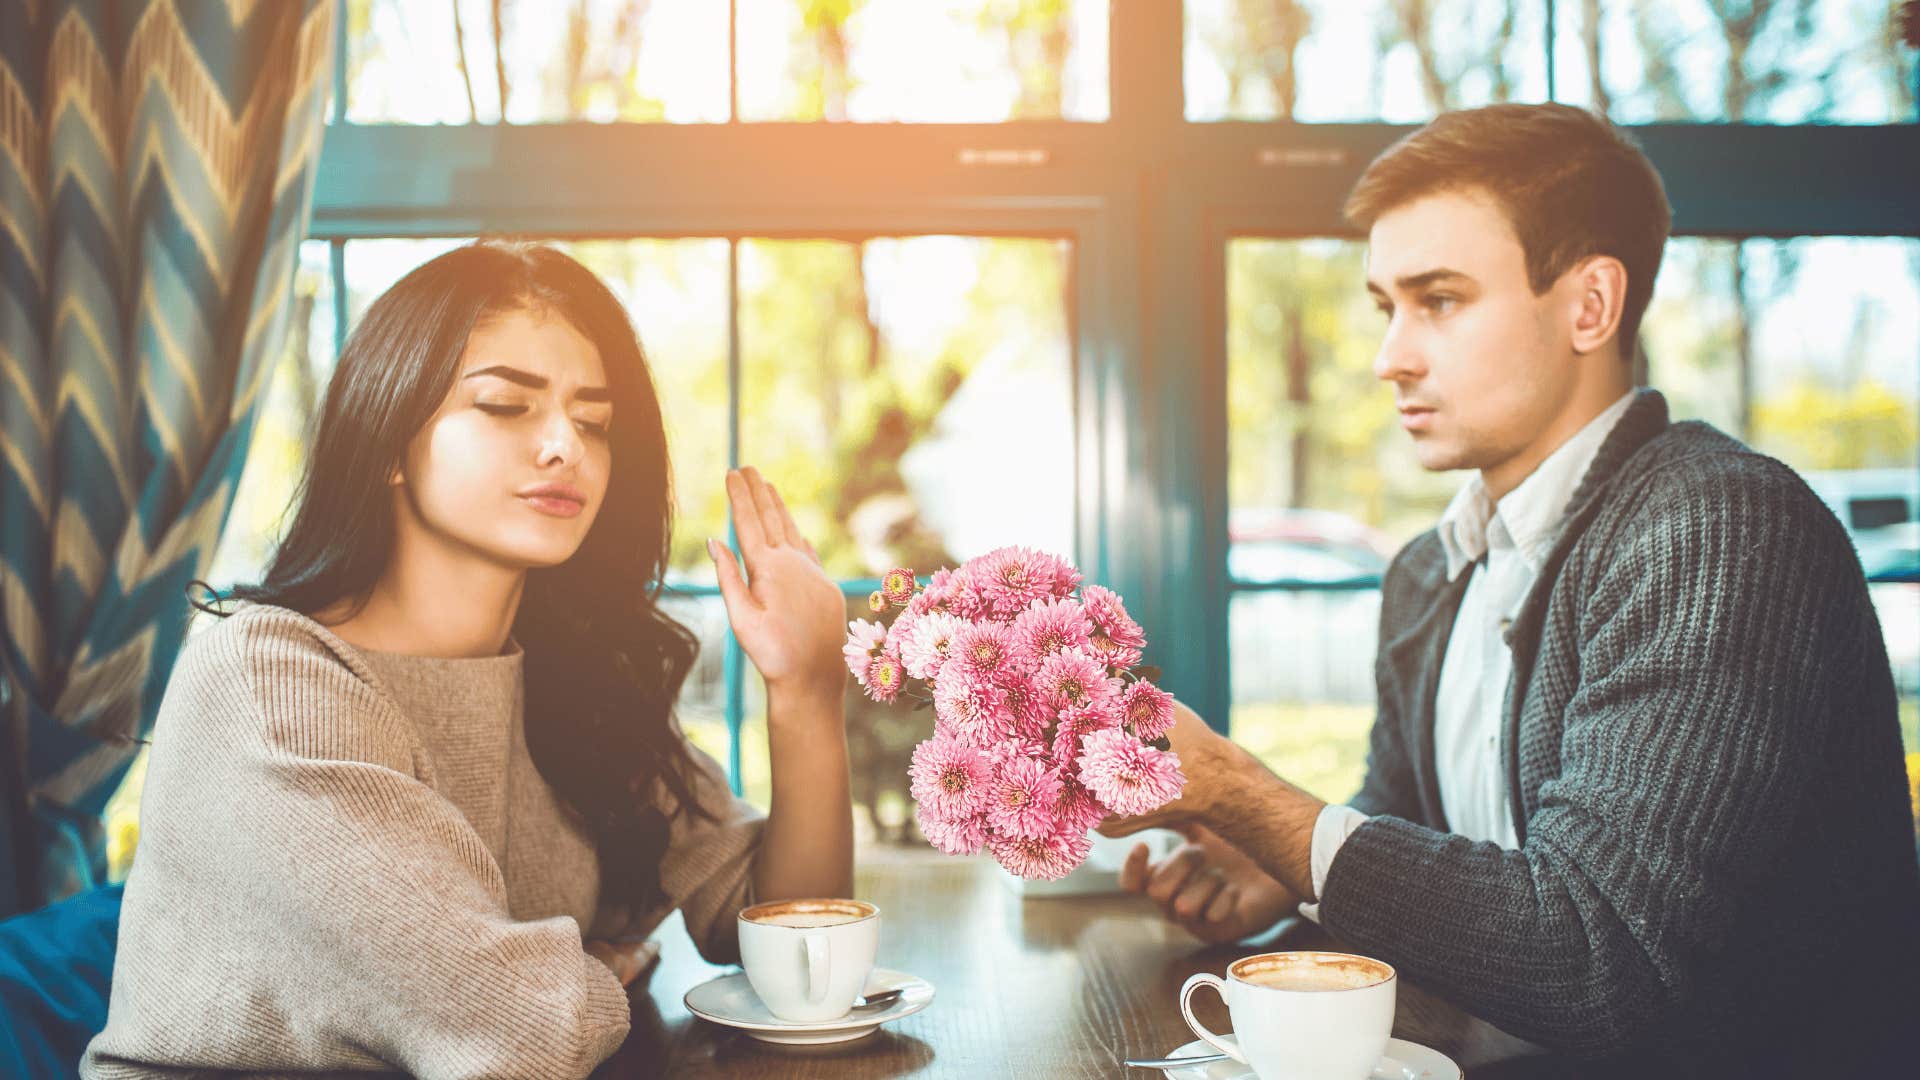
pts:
pixel 554 505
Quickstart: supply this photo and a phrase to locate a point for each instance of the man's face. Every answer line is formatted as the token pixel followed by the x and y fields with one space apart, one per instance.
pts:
pixel 1480 366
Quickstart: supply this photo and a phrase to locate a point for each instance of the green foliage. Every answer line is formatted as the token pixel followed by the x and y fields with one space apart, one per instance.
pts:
pixel 1816 426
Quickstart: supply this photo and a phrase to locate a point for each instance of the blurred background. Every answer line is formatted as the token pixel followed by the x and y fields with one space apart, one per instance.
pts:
pixel 1070 274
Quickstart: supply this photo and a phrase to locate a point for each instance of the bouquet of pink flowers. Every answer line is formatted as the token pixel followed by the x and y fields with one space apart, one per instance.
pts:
pixel 1046 723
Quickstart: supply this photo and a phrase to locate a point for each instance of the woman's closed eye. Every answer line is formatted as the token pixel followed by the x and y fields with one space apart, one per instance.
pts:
pixel 596 428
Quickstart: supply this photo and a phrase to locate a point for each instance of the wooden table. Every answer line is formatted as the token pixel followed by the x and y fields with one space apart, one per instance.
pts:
pixel 1054 987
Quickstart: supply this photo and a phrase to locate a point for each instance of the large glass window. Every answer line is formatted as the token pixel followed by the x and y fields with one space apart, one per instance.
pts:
pixel 637 61
pixel 598 60
pixel 927 61
pixel 1399 61
pixel 1832 61
pixel 1828 62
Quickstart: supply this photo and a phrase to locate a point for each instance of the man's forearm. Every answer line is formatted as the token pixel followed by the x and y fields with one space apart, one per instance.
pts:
pixel 1264 816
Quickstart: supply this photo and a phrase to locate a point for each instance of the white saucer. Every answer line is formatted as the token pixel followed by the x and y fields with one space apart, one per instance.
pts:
pixel 1403 1061
pixel 730 1000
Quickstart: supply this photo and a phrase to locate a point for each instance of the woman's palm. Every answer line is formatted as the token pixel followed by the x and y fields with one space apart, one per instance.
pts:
pixel 786 612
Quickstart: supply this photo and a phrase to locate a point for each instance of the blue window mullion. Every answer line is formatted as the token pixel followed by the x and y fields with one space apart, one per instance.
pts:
pixel 733 668
pixel 337 267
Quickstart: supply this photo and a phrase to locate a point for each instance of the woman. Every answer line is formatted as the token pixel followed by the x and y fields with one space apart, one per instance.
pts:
pixel 359 851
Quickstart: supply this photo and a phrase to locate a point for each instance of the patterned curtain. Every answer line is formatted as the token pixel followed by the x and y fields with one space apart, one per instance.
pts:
pixel 156 174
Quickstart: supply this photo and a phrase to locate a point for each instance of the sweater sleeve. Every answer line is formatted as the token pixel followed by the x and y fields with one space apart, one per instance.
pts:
pixel 707 870
pixel 1701 663
pixel 302 899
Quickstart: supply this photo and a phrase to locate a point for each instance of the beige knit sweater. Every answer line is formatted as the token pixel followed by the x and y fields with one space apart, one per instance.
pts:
pixel 348 861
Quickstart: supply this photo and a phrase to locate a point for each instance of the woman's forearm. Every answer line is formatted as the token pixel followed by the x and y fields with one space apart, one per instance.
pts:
pixel 807 849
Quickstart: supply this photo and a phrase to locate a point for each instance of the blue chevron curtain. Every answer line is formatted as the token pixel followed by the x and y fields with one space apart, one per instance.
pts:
pixel 156 175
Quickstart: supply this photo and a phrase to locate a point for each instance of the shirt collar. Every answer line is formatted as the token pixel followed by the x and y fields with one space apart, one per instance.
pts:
pixel 1531 513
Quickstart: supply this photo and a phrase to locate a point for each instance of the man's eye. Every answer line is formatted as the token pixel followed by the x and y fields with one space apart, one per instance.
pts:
pixel 1385 310
pixel 1440 303
pixel 496 409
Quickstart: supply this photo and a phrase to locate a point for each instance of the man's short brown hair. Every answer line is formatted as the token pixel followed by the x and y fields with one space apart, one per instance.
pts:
pixel 1572 184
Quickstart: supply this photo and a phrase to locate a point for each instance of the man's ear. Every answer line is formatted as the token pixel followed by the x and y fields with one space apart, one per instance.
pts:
pixel 1598 294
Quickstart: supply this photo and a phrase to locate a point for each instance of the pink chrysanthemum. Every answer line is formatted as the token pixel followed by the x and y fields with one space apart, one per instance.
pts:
pixel 1074 722
pixel 951 592
pixel 864 638
pixel 924 646
pixel 901 632
pixel 1030 714
pixel 963 837
pixel 1147 710
pixel 984 652
pixel 885 676
pixel 1049 627
pixel 1010 578
pixel 1073 679
pixel 1015 748
pixel 1117 657
pixel 1048 857
pixel 1066 578
pixel 1079 807
pixel 897 586
pixel 1025 792
pixel 951 779
pixel 1127 776
pixel 1110 617
pixel 976 712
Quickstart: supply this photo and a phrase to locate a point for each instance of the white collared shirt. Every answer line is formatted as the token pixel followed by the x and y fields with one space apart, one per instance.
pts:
pixel 1504 547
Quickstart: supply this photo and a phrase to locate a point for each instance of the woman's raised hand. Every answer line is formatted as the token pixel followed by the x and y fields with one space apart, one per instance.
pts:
pixel 788 615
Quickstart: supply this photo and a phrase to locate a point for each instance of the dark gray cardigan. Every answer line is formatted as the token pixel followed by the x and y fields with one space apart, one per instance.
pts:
pixel 1717 870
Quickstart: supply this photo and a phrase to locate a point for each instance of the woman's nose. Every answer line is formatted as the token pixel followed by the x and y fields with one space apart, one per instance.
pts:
pixel 560 442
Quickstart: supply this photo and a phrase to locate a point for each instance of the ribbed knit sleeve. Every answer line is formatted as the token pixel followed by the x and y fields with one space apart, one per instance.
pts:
pixel 302 898
pixel 1726 610
pixel 706 871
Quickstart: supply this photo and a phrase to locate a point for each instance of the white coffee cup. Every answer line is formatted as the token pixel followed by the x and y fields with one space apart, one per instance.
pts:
pixel 809 959
pixel 1302 1015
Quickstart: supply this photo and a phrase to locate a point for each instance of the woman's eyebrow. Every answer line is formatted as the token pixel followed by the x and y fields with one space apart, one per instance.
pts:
pixel 538 382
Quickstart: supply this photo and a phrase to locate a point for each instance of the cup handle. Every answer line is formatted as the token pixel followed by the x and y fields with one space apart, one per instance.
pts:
pixel 817 967
pixel 1186 1010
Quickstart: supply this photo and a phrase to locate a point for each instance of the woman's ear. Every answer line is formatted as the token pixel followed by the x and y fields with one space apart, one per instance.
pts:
pixel 1600 293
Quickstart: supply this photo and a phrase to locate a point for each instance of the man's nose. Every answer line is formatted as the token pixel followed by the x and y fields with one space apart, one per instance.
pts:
pixel 1397 359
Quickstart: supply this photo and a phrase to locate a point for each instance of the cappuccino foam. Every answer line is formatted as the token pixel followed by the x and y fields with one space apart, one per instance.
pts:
pixel 807 920
pixel 1311 978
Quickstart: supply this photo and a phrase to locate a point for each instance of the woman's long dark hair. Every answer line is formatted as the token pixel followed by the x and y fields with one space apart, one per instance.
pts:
pixel 603 663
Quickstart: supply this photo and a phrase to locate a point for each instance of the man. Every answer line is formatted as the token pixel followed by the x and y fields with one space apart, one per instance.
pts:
pixel 1634 793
